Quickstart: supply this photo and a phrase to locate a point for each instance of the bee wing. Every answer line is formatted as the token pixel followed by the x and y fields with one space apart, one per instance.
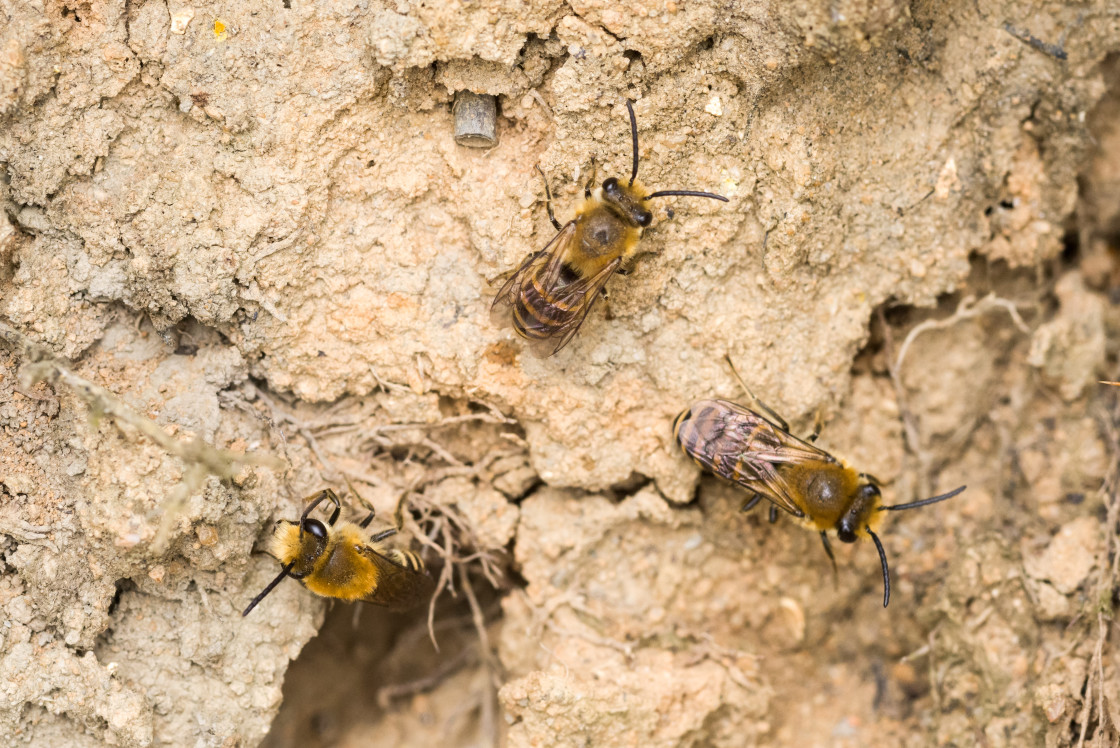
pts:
pixel 398 587
pixel 747 448
pixel 568 300
pixel 577 298
pixel 553 253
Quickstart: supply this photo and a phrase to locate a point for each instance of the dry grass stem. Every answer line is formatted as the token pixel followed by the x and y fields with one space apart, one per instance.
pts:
pixel 200 459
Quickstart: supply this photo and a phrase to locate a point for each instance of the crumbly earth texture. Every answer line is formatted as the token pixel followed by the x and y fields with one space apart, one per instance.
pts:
pixel 250 223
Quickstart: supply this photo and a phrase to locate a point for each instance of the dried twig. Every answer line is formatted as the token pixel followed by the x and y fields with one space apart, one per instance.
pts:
pixel 200 458
pixel 1053 50
pixel 387 386
pixel 540 100
pixel 25 532
pixel 447 666
pixel 448 532
pixel 280 416
pixel 488 731
pixel 968 308
pixel 909 421
pixel 443 422
pixel 626 648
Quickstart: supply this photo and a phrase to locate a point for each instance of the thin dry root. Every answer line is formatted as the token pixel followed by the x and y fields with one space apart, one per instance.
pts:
pixel 447 666
pixel 909 421
pixel 448 533
pixel 1108 564
pixel 200 458
pixel 968 308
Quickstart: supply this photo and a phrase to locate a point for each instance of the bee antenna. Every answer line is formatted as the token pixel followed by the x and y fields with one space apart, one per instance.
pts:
pixel 682 193
pixel 886 572
pixel 271 586
pixel 634 139
pixel 923 502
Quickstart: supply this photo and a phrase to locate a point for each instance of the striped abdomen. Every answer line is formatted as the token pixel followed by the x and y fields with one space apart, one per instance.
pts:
pixel 407 559
pixel 540 312
pixel 727 440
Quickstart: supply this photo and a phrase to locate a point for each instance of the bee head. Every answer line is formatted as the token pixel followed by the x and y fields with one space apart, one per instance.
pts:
pixel 860 514
pixel 299 546
pixel 627 202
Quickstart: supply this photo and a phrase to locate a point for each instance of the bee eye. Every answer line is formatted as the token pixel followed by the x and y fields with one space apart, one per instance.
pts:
pixel 870 491
pixel 315 527
pixel 645 218
pixel 611 186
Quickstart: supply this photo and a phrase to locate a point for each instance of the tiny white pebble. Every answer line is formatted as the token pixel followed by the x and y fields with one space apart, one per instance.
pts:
pixel 714 107
pixel 180 20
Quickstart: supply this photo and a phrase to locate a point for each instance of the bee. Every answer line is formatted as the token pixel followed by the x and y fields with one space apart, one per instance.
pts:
pixel 550 293
pixel 337 560
pixel 759 453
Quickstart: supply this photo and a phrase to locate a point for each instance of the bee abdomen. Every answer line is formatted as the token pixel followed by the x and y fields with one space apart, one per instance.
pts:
pixel 537 314
pixel 700 432
pixel 696 429
pixel 407 559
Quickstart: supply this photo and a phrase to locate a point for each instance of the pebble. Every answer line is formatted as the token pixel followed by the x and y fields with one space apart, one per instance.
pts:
pixel 1069 557
pixel 180 20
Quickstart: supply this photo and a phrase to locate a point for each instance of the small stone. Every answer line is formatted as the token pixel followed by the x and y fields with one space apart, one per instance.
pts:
pixel 180 20
pixel 1052 605
pixel 18 483
pixel 207 535
pixel 1069 557
pixel 947 180
pixel 794 617
pixel 1052 701
pixel 19 609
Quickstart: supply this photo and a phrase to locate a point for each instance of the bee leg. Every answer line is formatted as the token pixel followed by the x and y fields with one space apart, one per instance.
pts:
pixel 871 478
pixel 775 419
pixel 548 200
pixel 333 497
pixel 590 182
pixel 828 550
pixel 317 499
pixel 506 275
pixel 369 517
pixel 383 534
pixel 751 503
pixel 631 266
pixel 398 513
pixel 818 424
pixel 773 514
